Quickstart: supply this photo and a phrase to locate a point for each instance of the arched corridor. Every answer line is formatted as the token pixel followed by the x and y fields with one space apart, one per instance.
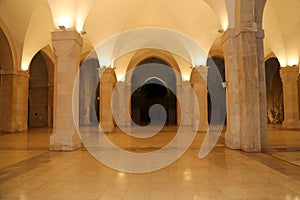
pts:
pixel 154 90
pixel 80 84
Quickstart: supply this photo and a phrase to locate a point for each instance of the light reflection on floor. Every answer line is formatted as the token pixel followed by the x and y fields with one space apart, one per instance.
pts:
pixel 29 171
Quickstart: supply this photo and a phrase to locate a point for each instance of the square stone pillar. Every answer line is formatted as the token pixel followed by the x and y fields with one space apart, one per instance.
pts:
pixel 187 104
pixel 246 128
pixel 124 94
pixel 107 83
pixel 289 76
pixel 199 83
pixel 230 50
pixel 67 48
pixel 13 101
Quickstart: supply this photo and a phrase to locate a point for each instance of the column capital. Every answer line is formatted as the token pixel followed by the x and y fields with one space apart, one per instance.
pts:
pixel 288 73
pixel 107 74
pixel 229 33
pixel 64 41
pixel 247 27
pixel 66 35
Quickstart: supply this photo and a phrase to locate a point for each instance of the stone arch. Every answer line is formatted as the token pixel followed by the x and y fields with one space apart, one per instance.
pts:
pixel 145 54
pixel 216 53
pixel 166 57
pixel 40 91
pixel 47 56
pixel 6 57
pixel 149 88
pixel 8 45
pixel 270 55
pixel 10 88
pixel 249 12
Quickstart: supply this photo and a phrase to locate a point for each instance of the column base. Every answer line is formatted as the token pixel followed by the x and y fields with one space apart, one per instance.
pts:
pixel 202 127
pixel 232 140
pixel 291 124
pixel 64 140
pixel 107 128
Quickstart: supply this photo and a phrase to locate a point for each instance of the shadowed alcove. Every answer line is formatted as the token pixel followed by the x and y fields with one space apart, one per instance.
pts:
pixel 151 86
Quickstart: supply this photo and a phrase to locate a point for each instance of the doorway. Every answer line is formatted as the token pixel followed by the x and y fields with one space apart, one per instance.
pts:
pixel 155 84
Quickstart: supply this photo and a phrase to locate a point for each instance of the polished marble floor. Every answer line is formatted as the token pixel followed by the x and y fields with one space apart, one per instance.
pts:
pixel 29 171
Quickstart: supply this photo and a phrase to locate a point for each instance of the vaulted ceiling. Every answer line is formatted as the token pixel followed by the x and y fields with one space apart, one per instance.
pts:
pixel 30 22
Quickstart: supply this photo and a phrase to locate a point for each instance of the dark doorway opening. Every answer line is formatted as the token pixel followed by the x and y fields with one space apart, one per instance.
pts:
pixel 154 90
pixel 274 92
pixel 215 77
pixel 38 93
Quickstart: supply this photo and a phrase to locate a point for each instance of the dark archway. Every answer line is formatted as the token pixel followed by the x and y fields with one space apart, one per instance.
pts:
pixel 274 92
pixel 154 90
pixel 216 68
pixel 38 93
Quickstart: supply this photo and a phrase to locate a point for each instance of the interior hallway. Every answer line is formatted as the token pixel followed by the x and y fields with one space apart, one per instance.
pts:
pixel 28 170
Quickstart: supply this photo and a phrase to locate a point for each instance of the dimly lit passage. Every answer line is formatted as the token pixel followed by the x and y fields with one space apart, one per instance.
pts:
pixel 154 90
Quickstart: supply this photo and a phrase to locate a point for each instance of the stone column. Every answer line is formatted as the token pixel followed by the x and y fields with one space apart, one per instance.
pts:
pixel 289 76
pixel 107 83
pixel 249 87
pixel 230 44
pixel 124 94
pixel 245 93
pixel 199 82
pixel 13 101
pixel 186 104
pixel 67 48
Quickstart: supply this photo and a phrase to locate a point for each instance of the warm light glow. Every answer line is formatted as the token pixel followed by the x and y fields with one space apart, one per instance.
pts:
pixel 187 175
pixel 292 62
pixel 185 77
pixel 79 25
pixel 121 174
pixel 26 60
pixel 282 62
pixel 120 78
pixel 65 21
pixel 225 25
pixel 24 67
